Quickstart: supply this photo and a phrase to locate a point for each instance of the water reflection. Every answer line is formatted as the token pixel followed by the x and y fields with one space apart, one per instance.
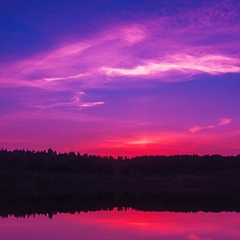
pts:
pixel 130 224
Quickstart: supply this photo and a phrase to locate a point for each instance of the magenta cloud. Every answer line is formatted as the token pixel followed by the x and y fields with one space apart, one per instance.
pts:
pixel 153 48
pixel 76 101
pixel 223 121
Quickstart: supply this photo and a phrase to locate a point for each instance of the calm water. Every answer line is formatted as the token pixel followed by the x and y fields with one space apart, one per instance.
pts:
pixel 125 225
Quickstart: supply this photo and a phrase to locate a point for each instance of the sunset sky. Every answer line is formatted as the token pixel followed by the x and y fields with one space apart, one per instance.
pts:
pixel 120 77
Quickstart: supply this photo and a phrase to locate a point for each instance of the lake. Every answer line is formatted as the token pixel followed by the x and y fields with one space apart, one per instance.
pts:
pixel 129 224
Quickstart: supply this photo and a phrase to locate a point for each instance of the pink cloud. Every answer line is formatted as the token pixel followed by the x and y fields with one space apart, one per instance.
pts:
pixel 186 64
pixel 75 101
pixel 223 121
pixel 155 48
pixel 70 61
pixel 91 104
pixel 63 78
pixel 198 128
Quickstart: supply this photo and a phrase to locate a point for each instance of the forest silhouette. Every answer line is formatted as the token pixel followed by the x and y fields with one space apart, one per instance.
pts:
pixel 47 182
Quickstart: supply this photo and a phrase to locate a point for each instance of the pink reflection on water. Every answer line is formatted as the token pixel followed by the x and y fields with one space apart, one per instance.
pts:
pixel 129 224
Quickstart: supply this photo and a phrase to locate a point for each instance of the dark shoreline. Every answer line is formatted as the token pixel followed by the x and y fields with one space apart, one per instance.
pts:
pixel 49 183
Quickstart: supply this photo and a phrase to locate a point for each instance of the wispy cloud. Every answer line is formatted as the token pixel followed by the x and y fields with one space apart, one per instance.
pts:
pixel 76 101
pixel 73 60
pixel 223 121
pixel 91 104
pixel 185 64
pixel 156 48
pixel 52 79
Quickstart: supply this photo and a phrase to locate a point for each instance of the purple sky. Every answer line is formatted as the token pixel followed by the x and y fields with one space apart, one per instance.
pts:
pixel 120 77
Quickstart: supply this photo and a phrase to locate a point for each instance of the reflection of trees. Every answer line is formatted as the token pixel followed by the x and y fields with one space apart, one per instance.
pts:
pixel 49 205
pixel 47 182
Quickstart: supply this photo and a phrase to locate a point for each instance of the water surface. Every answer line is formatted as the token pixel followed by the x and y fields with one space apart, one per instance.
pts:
pixel 130 224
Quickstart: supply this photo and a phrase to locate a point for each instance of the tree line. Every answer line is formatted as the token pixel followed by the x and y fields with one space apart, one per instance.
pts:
pixel 178 182
pixel 51 161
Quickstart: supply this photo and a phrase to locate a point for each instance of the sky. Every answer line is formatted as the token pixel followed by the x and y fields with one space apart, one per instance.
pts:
pixel 120 77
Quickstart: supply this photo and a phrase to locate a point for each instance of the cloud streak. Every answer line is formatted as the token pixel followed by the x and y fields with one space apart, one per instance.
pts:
pixel 155 48
pixel 185 64
pixel 223 121
pixel 74 102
